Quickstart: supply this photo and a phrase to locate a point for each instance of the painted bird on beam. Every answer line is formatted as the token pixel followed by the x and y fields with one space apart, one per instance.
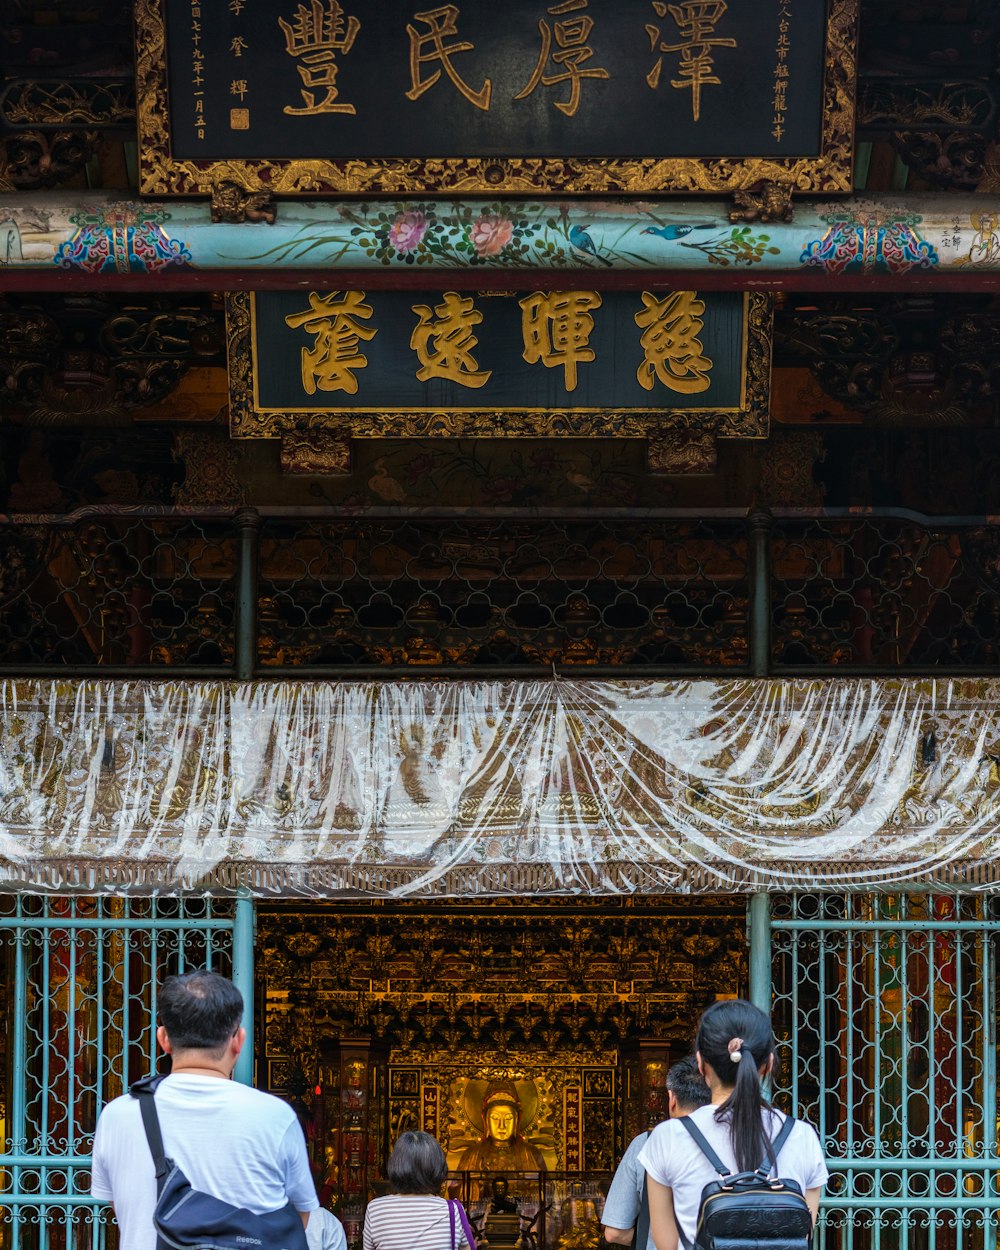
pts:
pixel 677 232
pixel 581 240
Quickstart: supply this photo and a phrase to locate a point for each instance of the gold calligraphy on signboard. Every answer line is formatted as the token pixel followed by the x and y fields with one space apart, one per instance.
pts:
pixel 674 355
pixel 556 333
pixel 444 341
pixel 572 51
pixel 315 37
pixel 333 320
pixel 556 327
pixel 696 22
pixel 688 47
pixel 428 47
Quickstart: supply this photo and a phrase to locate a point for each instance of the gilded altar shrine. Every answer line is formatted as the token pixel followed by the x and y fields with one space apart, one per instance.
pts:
pixel 530 1038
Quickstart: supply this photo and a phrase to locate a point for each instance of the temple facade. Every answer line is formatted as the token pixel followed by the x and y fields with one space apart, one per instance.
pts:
pixel 499 549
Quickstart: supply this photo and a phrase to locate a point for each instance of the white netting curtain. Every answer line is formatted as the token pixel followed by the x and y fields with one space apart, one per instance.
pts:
pixel 437 788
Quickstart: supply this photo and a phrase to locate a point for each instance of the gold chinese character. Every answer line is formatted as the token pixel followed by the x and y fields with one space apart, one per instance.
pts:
pixel 239 87
pixel 333 319
pixel 696 21
pixel 572 52
pixel 556 329
pixel 451 333
pixel 427 48
pixel 236 7
pixel 673 352
pixel 315 36
pixel 238 46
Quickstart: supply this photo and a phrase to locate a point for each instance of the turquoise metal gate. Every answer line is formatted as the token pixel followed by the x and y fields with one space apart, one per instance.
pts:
pixel 79 979
pixel 885 1007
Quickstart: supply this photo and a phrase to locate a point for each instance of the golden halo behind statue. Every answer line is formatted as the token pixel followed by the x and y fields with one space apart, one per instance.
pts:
pixel 475 1092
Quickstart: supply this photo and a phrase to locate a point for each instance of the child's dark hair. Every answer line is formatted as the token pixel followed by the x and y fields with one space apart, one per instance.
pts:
pixel 736 1038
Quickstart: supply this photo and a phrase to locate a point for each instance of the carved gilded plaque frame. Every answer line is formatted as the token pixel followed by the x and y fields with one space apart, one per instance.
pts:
pixel 750 419
pixel 230 181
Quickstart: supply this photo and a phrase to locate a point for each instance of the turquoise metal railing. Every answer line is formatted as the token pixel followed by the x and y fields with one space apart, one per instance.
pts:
pixel 81 978
pixel 885 1009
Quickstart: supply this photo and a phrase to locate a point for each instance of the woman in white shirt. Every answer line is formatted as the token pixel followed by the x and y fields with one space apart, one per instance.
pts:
pixel 414 1216
pixel 735 1052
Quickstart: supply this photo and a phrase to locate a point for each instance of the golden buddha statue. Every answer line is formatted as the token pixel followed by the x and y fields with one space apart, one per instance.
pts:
pixel 502 1148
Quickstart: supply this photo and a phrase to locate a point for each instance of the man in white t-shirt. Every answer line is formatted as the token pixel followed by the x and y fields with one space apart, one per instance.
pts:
pixel 235 1143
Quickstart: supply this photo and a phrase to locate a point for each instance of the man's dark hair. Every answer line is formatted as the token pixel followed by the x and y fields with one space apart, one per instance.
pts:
pixel 200 1011
pixel 687 1084
pixel 417 1165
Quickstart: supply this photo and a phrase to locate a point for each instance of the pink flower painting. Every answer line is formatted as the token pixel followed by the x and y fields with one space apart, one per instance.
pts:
pixel 407 230
pixel 490 234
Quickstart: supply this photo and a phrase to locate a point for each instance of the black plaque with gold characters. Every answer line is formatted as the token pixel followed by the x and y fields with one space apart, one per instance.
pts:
pixel 533 363
pixel 548 96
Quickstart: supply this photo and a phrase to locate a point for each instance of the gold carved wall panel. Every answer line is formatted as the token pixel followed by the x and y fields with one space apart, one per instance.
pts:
pixel 539 1007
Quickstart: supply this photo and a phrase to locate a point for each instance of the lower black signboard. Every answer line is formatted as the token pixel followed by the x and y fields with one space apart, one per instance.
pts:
pixel 489 363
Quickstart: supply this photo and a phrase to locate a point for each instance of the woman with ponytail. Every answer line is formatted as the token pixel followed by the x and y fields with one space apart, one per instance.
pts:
pixel 735 1052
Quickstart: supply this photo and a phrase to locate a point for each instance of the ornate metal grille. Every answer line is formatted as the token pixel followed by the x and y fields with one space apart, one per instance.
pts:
pixel 81 1010
pixel 885 593
pixel 337 594
pixel 528 591
pixel 119 592
pixel 886 1013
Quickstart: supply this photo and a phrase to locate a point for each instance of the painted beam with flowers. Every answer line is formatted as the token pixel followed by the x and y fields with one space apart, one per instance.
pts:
pixel 48 240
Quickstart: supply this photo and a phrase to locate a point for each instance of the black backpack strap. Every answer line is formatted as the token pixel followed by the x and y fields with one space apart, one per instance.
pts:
pixel 642 1223
pixel 776 1145
pixel 702 1144
pixel 641 1240
pixel 144 1091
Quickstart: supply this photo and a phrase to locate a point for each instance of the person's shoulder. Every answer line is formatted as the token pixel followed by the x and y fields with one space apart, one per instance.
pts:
pixel 261 1102
pixel 120 1110
pixel 636 1144
pixel 232 1097
pixel 674 1130
pixel 658 1138
pixel 803 1134
pixel 326 1221
pixel 324 1231
pixel 673 1136
pixel 389 1205
pixel 387 1202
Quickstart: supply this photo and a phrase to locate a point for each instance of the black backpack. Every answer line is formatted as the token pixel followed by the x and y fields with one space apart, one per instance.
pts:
pixel 749 1209
pixel 187 1219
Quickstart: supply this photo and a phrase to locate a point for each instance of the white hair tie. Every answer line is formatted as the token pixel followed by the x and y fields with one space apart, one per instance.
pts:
pixel 736 1050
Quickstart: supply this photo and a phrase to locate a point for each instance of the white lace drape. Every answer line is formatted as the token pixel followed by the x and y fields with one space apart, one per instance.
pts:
pixel 456 788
